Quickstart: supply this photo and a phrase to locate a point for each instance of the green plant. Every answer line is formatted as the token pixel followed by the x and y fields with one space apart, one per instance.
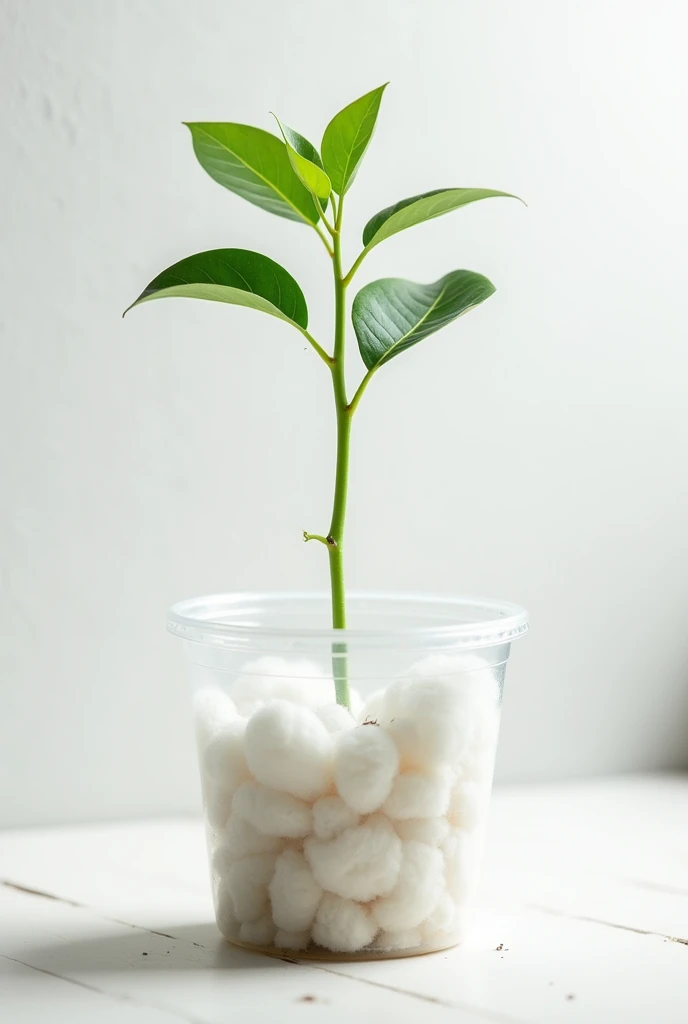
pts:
pixel 288 177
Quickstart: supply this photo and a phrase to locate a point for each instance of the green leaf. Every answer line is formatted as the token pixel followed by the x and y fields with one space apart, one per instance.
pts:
pixel 255 165
pixel 417 209
pixel 347 136
pixel 391 315
pixel 237 276
pixel 306 161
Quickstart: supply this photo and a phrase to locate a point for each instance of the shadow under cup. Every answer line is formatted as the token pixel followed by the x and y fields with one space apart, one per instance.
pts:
pixel 348 830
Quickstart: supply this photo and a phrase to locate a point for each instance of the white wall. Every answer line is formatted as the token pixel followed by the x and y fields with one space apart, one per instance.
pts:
pixel 535 451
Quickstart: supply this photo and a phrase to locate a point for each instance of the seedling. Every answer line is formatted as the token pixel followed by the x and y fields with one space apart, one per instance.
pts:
pixel 287 176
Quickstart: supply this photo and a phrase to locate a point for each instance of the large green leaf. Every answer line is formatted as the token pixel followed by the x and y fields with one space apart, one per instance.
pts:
pixel 346 138
pixel 305 159
pixel 254 164
pixel 417 209
pixel 237 276
pixel 391 315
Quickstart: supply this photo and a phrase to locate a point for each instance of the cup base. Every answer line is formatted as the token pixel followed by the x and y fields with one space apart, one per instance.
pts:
pixel 314 952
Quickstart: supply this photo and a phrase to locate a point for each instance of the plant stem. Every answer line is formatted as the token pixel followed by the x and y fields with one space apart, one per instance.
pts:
pixel 335 538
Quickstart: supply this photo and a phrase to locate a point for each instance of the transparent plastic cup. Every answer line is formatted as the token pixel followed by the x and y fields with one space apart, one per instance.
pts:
pixel 338 833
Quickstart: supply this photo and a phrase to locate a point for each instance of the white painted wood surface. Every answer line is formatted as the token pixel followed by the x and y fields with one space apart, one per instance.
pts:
pixel 584 918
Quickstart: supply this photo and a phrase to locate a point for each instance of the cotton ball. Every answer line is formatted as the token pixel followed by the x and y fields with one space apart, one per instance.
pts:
pixel 294 893
pixel 372 710
pixel 289 749
pixel 248 881
pixel 477 763
pixel 460 854
pixel 365 764
pixel 442 919
pixel 468 806
pixel 432 831
pixel 270 677
pixel 291 940
pixel 271 812
pixel 419 794
pixel 212 708
pixel 360 863
pixel 342 925
pixel 409 939
pixel 258 933
pixel 223 760
pixel 224 913
pixel 331 816
pixel 420 885
pixel 428 721
pixel 335 717
pixel 240 839
pixel 218 804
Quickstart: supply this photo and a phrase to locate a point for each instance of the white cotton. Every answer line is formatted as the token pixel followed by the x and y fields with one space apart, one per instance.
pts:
pixel 212 708
pixel 291 940
pixel 222 758
pixel 477 762
pixel 432 831
pixel 272 812
pixel 267 678
pixel 409 939
pixel 335 717
pixel 240 838
pixel 331 816
pixel 224 912
pixel 442 919
pixel 419 794
pixel 289 749
pixel 294 893
pixel 460 854
pixel 217 803
pixel 366 761
pixel 258 933
pixel 247 881
pixel 360 863
pixel 420 885
pixel 468 805
pixel 372 710
pixel 342 925
pixel 433 711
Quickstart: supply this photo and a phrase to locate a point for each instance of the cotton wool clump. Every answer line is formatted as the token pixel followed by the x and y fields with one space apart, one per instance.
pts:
pixel 294 893
pixel 222 757
pixel 419 794
pixel 332 816
pixel 289 749
pixel 343 925
pixel 359 864
pixel 442 918
pixel 468 805
pixel 212 708
pixel 269 677
pixel 272 812
pixel 335 718
pixel 408 939
pixel 217 802
pixel 366 761
pixel 459 864
pixel 432 831
pixel 248 881
pixel 258 933
pixel 372 710
pixel 418 889
pixel 238 839
pixel 224 912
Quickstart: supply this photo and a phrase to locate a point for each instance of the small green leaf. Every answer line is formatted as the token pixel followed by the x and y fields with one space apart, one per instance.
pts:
pixel 347 136
pixel 417 209
pixel 391 315
pixel 254 164
pixel 306 161
pixel 237 276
